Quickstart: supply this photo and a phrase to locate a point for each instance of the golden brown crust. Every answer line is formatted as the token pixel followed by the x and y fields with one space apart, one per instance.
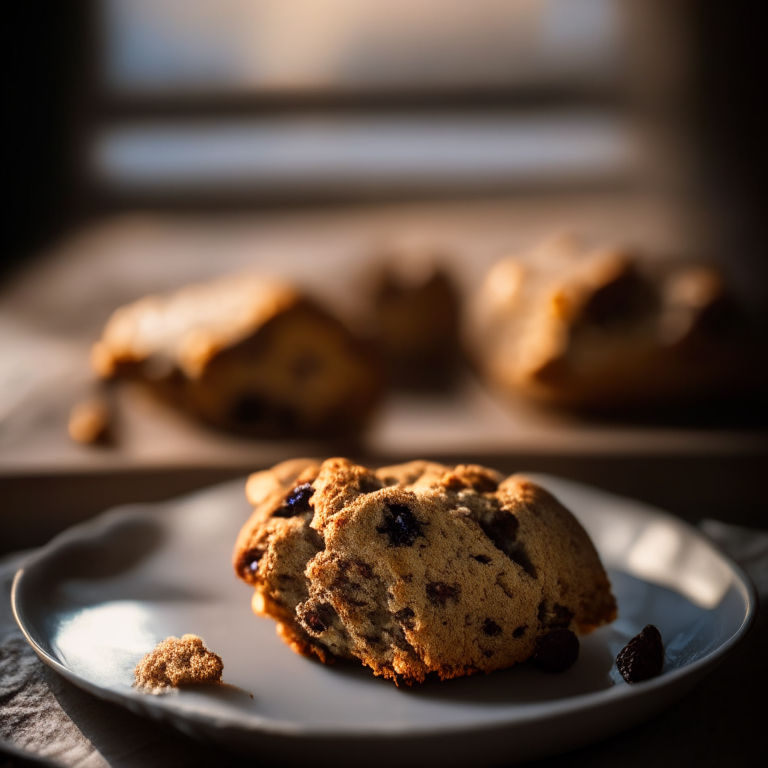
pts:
pixel 417 568
pixel 192 324
pixel 245 354
pixel 604 328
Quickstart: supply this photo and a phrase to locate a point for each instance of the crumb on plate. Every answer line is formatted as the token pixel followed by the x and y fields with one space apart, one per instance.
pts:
pixel 174 662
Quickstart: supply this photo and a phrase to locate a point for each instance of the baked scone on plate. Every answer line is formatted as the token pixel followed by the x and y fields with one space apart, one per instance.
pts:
pixel 604 328
pixel 417 568
pixel 246 354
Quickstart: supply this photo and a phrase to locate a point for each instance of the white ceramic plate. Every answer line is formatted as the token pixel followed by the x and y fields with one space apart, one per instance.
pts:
pixel 102 594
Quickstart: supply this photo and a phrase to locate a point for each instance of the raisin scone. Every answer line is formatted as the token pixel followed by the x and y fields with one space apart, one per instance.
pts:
pixel 415 309
pixel 604 328
pixel 417 568
pixel 246 354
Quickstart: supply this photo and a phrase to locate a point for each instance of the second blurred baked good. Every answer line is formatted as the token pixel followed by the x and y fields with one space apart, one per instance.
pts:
pixel 415 315
pixel 604 329
pixel 246 354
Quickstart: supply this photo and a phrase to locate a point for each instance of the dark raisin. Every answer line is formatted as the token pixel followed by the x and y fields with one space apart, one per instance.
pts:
pixel 400 525
pixel 501 529
pixel 297 502
pixel 315 622
pixel 318 620
pixel 519 631
pixel 484 559
pixel 556 617
pixel 440 593
pixel 487 654
pixel 364 570
pixel 642 657
pixel 556 651
pixel 491 628
pixel 405 616
pixel 248 565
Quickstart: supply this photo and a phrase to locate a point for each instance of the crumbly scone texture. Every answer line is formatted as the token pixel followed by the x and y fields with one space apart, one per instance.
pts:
pixel 417 568
pixel 247 354
pixel 177 661
pixel 603 327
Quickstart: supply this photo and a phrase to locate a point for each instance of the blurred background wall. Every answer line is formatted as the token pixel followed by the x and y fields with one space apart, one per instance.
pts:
pixel 112 105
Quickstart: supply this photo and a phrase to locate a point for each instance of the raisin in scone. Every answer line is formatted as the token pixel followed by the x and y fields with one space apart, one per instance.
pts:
pixel 417 568
pixel 247 354
pixel 604 328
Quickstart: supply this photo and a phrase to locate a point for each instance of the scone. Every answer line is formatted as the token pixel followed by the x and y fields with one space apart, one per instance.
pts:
pixel 417 568
pixel 415 312
pixel 604 328
pixel 246 354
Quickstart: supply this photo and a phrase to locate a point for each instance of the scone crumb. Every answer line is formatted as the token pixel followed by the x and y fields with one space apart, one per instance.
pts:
pixel 90 422
pixel 175 662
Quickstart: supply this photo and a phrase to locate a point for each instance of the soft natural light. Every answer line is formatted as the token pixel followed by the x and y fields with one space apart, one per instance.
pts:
pixel 107 640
